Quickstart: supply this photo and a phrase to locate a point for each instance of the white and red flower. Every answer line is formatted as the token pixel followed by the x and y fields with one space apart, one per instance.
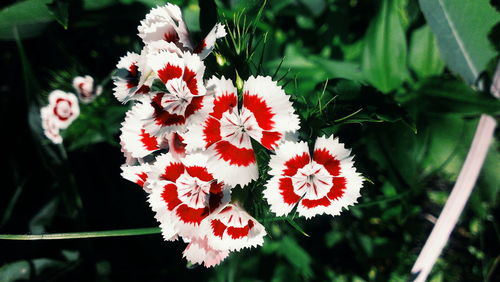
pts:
pixel 200 252
pixel 185 100
pixel 64 107
pixel 266 116
pixel 86 89
pixel 184 193
pixel 232 229
pixel 49 125
pixel 165 23
pixel 323 183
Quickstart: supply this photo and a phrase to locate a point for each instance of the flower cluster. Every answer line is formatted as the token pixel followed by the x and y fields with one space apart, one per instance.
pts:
pixel 63 107
pixel 188 141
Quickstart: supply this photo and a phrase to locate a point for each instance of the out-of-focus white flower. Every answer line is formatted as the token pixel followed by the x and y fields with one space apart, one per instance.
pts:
pixel 86 89
pixel 49 125
pixel 325 183
pixel 266 116
pixel 64 107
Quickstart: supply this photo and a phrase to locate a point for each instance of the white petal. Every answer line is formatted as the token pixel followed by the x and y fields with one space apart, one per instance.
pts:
pixel 134 137
pixel 137 174
pixel 199 251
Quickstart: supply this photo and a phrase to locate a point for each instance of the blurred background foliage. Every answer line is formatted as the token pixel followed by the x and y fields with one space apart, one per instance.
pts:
pixel 403 92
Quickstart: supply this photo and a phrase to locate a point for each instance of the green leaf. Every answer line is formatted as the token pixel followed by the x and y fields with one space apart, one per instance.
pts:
pixel 454 97
pixel 158 85
pixel 296 255
pixel 297 227
pixel 29 17
pixel 59 9
pixel 384 55
pixel 424 57
pixel 461 29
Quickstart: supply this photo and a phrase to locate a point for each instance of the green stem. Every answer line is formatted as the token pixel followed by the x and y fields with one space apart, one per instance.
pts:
pixel 83 235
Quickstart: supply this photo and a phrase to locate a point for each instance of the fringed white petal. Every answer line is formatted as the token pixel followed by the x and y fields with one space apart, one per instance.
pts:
pixel 137 174
pixel 162 214
pixel 134 137
pixel 200 252
pixel 207 45
pixel 271 108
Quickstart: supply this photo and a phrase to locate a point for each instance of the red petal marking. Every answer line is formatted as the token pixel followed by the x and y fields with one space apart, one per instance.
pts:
pixel 190 78
pixel 270 139
pixel 149 142
pixel 293 164
pixel 286 190
pixel 189 215
pixel 199 172
pixel 262 112
pixel 169 196
pixel 338 188
pixel 234 155
pixel 59 100
pixel 178 145
pixel 195 105
pixel 132 76
pixel 323 157
pixel 215 198
pixel 142 178
pixel 315 203
pixel 216 187
pixel 239 232
pixel 218 228
pixel 211 131
pixel 171 36
pixel 224 103
pixel 163 117
pixel 143 90
pixel 169 72
pixel 200 47
pixel 172 171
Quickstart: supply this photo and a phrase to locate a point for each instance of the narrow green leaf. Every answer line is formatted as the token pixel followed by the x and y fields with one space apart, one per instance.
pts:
pixel 461 29
pixel 296 226
pixel 59 9
pixel 424 56
pixel 384 55
pixel 83 235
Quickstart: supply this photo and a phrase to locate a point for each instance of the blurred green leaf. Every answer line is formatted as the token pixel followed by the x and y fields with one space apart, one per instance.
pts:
pixel 384 56
pixel 29 17
pixel 424 57
pixel 461 29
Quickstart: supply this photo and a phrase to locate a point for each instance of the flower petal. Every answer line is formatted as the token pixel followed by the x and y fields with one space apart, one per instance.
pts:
pixel 64 107
pixel 200 252
pixel 134 138
pixel 137 174
pixel 207 45
pixel 271 108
